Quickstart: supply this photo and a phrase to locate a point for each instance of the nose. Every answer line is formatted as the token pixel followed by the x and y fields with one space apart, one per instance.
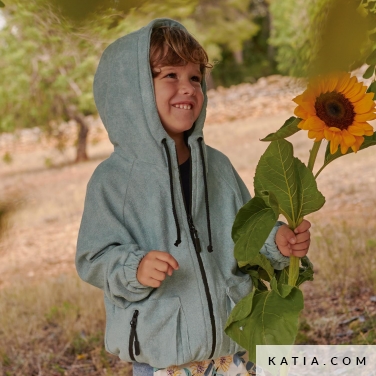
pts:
pixel 187 88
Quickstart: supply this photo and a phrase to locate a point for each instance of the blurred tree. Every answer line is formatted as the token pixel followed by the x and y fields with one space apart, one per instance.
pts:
pixel 316 36
pixel 50 49
pixel 257 56
pixel 47 68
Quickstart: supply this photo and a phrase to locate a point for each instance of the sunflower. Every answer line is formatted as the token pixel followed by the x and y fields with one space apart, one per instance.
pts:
pixel 336 107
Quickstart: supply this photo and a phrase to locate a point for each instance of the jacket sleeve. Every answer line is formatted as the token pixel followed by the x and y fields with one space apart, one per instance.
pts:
pixel 107 256
pixel 269 249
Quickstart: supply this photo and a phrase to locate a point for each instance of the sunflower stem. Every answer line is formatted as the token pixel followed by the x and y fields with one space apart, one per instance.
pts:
pixel 293 270
pixel 318 172
pixel 313 154
pixel 295 261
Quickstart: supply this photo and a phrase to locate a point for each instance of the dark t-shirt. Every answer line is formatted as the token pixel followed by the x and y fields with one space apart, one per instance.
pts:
pixel 184 170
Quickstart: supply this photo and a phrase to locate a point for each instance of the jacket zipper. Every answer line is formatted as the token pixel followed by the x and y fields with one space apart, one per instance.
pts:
pixel 133 337
pixel 197 246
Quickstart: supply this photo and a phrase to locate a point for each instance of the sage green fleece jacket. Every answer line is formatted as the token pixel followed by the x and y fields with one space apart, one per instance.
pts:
pixel 134 204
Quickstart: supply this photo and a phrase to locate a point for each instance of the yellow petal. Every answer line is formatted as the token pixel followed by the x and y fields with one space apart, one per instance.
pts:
pixel 363 106
pixel 347 139
pixel 358 143
pixel 356 130
pixel 367 127
pixel 355 90
pixel 365 117
pixel 343 82
pixel 317 135
pixel 334 129
pixel 298 99
pixel 359 96
pixel 328 134
pixel 314 123
pixel 344 148
pixel 333 147
pixel 350 84
pixel 331 82
pixel 301 112
pixel 367 96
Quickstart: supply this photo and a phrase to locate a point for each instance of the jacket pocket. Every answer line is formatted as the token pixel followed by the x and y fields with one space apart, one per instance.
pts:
pixel 150 331
pixel 234 294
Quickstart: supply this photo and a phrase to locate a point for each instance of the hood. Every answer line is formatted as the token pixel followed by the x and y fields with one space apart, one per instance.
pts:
pixel 124 96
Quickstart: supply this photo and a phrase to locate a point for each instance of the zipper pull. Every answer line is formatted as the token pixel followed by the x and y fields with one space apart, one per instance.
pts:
pixel 197 241
pixel 134 319
pixel 194 232
pixel 136 345
pixel 134 332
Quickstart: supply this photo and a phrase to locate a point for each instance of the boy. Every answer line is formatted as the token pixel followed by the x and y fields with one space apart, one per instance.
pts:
pixel 156 229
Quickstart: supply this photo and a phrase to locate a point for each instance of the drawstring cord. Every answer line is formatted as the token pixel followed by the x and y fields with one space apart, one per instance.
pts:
pixel 178 240
pixel 210 247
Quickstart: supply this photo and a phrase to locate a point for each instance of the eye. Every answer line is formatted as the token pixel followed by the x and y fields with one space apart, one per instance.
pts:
pixel 171 75
pixel 196 79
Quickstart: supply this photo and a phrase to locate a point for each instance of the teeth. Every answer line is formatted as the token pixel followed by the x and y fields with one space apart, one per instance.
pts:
pixel 183 106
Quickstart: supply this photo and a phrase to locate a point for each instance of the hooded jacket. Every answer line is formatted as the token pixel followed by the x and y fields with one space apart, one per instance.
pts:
pixel 134 204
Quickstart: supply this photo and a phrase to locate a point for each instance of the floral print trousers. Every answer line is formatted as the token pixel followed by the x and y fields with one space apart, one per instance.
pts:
pixel 231 365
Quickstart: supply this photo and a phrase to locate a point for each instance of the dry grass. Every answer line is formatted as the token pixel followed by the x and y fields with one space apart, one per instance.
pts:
pixel 54 327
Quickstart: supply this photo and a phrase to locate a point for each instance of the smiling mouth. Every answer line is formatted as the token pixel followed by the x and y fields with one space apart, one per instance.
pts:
pixel 183 106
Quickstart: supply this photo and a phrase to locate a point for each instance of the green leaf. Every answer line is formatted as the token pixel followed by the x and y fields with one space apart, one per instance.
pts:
pixel 253 224
pixel 305 272
pixel 368 141
pixel 371 59
pixel 369 72
pixel 257 274
pixel 242 309
pixel 282 276
pixel 310 198
pixel 281 288
pixel 291 182
pixel 289 128
pixel 272 321
pixel 251 208
pixel 2 5
pixel 372 88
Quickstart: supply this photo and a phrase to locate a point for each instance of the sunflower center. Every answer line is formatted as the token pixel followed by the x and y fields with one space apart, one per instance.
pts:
pixel 335 110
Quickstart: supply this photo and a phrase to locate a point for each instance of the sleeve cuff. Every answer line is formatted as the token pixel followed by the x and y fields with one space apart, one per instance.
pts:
pixel 271 251
pixel 130 272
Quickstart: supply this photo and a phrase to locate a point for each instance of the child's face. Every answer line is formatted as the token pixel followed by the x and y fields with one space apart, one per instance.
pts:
pixel 179 97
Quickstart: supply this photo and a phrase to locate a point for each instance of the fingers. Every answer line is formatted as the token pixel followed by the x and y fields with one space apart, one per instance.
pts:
pixel 304 226
pixel 166 257
pixel 294 243
pixel 303 241
pixel 154 268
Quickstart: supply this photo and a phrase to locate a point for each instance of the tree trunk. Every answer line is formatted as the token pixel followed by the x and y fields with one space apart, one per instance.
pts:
pixel 238 56
pixel 83 130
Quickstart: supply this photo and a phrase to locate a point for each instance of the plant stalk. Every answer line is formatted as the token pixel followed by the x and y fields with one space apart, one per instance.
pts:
pixel 295 261
pixel 313 154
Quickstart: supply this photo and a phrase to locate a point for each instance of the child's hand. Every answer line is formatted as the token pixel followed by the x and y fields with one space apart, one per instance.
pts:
pixel 294 243
pixel 153 268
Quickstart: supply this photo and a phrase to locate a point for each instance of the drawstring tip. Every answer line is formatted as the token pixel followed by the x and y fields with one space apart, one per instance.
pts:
pixel 178 241
pixel 210 248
